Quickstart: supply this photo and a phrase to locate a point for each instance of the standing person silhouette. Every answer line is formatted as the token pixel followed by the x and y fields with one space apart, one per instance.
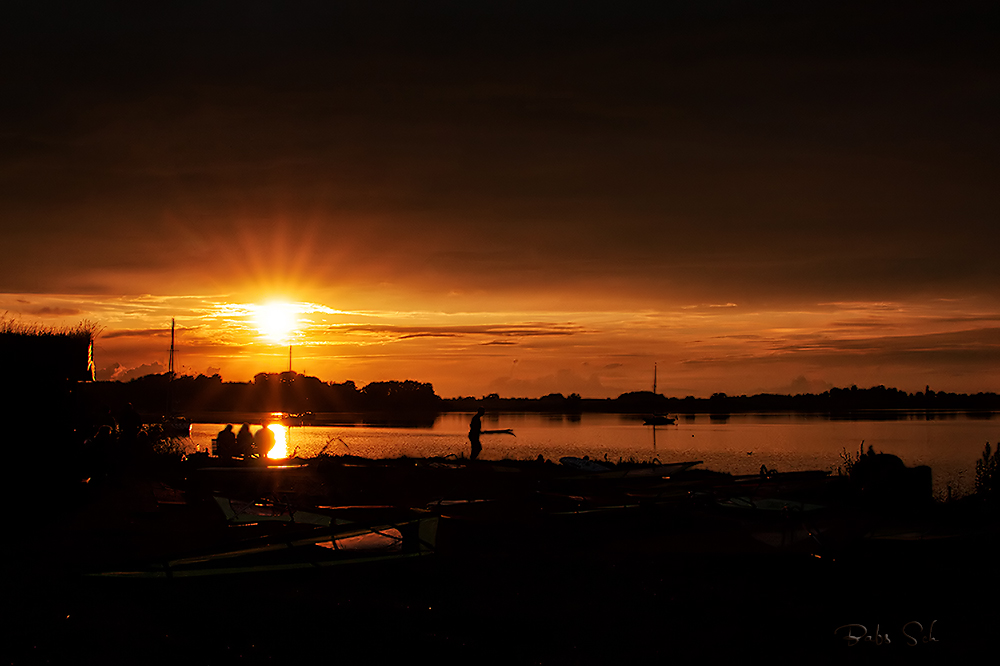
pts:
pixel 475 430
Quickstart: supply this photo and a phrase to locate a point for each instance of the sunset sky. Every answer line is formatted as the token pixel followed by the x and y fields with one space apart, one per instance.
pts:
pixel 519 198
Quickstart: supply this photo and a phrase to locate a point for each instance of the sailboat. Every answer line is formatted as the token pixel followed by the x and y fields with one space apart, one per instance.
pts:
pixel 657 419
pixel 174 425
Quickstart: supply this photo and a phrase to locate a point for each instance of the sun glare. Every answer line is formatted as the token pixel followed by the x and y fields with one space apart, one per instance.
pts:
pixel 280 449
pixel 276 321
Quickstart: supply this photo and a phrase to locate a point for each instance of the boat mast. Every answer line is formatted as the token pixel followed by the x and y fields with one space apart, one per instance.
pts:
pixel 170 363
pixel 289 358
pixel 654 379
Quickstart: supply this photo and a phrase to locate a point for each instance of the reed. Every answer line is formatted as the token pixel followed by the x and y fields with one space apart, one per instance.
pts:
pixel 988 473
pixel 11 327
pixel 849 461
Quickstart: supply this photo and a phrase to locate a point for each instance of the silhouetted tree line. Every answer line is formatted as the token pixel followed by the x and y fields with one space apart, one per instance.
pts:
pixel 268 392
pixel 834 401
pixel 292 392
pixel 843 400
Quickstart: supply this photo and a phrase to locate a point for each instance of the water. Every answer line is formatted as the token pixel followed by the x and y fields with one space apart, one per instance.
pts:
pixel 949 444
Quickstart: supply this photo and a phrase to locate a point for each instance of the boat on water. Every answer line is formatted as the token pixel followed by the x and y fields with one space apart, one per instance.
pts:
pixel 657 419
pixel 293 419
pixel 173 425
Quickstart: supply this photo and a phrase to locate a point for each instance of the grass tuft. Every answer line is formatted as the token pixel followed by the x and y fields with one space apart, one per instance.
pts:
pixel 987 480
pixel 849 460
pixel 15 327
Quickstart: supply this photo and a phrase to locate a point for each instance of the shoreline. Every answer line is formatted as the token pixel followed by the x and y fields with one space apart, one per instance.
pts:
pixel 402 418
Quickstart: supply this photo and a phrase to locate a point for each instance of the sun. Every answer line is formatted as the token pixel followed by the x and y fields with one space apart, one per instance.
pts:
pixel 276 321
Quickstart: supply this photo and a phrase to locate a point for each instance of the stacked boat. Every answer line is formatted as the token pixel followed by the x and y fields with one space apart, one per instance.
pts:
pixel 264 536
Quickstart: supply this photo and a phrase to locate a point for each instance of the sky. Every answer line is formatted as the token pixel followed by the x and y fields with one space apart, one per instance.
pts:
pixel 520 198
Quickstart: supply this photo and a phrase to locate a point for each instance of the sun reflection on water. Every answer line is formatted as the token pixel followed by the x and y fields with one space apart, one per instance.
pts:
pixel 280 449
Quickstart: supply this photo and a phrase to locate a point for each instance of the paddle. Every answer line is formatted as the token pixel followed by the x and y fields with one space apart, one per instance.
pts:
pixel 508 431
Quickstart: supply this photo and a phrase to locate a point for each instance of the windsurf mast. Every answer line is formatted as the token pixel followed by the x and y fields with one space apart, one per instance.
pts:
pixel 170 371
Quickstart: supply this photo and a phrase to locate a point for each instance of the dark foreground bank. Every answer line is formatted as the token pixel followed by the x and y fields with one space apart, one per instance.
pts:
pixel 498 610
pixel 643 569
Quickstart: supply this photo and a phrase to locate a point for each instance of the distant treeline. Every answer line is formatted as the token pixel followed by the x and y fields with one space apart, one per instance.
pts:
pixel 268 392
pixel 295 393
pixel 837 400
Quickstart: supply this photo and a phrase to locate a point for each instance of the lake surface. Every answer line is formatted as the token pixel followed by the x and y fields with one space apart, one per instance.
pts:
pixel 949 444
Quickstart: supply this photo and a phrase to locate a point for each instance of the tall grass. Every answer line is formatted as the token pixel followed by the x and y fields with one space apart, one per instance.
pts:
pixel 987 470
pixel 86 329
pixel 849 461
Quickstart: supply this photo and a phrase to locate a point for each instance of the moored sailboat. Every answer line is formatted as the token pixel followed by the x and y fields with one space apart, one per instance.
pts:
pixel 657 419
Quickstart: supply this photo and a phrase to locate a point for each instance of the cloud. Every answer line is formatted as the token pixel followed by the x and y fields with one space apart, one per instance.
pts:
pixel 931 352
pixel 872 324
pixel 799 385
pixel 967 319
pixel 982 344
pixel 601 162
pixel 136 333
pixel 117 372
pixel 56 312
pixel 562 381
pixel 509 332
pixel 470 170
pixel 108 373
pixel 122 374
